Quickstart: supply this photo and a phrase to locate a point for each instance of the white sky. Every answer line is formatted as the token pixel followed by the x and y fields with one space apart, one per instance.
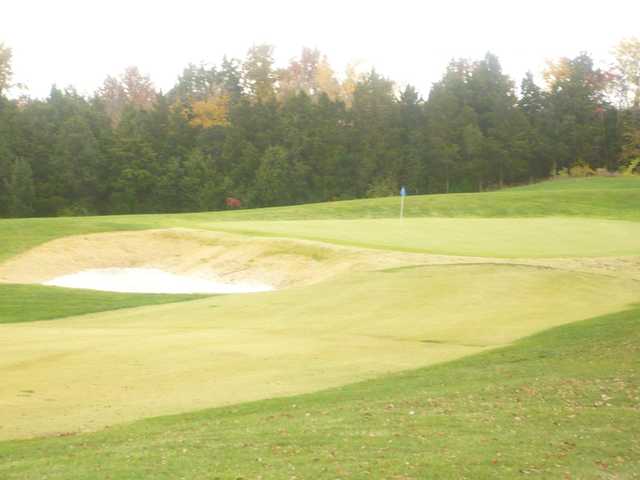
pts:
pixel 80 42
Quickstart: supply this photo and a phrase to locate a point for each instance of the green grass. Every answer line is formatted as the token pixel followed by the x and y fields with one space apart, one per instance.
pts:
pixel 561 404
pixel 27 303
pixel 483 237
pixel 613 199
pixel 589 183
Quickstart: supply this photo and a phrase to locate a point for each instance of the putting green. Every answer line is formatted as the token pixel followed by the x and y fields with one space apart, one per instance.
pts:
pixel 86 372
pixel 486 237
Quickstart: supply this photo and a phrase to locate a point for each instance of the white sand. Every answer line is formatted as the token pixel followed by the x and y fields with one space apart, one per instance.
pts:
pixel 150 280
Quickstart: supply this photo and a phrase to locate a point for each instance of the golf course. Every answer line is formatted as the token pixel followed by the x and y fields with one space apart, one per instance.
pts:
pixel 483 335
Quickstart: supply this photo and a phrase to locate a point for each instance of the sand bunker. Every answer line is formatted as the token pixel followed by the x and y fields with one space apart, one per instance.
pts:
pixel 150 280
pixel 187 260
pixel 234 259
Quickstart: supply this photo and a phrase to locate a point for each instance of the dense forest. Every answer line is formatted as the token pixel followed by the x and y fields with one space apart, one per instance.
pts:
pixel 266 136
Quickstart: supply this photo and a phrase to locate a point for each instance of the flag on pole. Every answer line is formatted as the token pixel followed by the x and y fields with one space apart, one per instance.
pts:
pixel 403 193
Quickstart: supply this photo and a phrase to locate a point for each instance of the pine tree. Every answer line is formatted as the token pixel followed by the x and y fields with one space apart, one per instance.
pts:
pixel 21 190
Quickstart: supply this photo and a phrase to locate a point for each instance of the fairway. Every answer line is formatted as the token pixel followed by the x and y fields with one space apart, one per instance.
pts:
pixel 82 373
pixel 557 402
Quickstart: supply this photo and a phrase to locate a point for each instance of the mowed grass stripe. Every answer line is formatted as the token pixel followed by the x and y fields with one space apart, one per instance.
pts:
pixel 28 303
pixel 560 404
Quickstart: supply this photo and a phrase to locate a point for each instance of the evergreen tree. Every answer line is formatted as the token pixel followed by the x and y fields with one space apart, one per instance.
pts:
pixel 21 189
pixel 277 179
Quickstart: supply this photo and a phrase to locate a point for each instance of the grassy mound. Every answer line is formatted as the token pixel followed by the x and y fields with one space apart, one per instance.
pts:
pixel 560 404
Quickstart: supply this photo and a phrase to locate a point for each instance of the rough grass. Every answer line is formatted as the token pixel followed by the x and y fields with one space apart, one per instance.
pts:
pixel 561 404
pixel 82 373
pixel 27 303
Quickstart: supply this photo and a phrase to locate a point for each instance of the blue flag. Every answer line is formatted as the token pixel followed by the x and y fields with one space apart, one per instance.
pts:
pixel 403 192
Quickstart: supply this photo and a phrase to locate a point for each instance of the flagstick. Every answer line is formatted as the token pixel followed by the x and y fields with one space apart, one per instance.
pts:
pixel 401 207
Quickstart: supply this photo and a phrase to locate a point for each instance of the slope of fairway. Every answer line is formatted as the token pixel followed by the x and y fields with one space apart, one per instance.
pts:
pixel 27 303
pixel 82 373
pixel 614 199
pixel 561 404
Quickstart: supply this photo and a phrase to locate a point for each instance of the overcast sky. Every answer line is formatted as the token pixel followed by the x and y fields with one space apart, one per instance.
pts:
pixel 80 42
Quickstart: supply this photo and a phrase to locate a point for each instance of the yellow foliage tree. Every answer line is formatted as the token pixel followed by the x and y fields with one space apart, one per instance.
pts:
pixel 325 79
pixel 211 112
pixel 5 67
pixel 557 71
pixel 349 84
pixel 627 54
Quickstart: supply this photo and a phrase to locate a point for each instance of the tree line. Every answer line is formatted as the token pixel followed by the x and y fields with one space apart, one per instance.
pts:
pixel 267 136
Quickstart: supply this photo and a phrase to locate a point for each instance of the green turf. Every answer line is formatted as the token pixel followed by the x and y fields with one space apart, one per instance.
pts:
pixel 589 183
pixel 26 303
pixel 484 237
pixel 561 404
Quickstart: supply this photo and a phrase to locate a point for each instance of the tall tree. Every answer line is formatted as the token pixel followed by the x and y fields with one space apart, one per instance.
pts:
pixel 627 55
pixel 138 88
pixel 259 74
pixel 375 132
pixel 578 103
pixel 448 112
pixel 5 67
pixel 277 178
pixel 21 189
